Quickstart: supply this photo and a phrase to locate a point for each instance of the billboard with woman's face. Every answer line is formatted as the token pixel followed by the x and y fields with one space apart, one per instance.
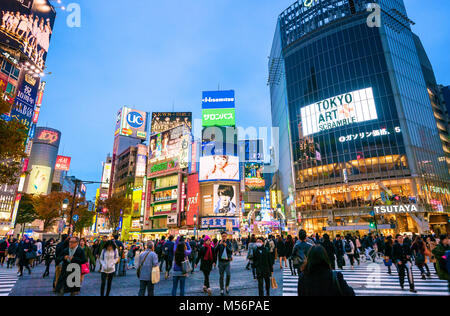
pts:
pixel 27 25
pixel 219 167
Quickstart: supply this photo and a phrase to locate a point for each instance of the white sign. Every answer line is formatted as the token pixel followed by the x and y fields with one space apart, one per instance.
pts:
pixel 106 178
pixel 172 219
pixel 407 208
pixel 363 135
pixel 345 109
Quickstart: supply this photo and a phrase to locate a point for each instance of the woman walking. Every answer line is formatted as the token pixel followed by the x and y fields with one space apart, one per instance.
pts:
pixel 317 278
pixel 281 249
pixel 108 260
pixel 419 249
pixel 263 266
pixel 182 253
pixel 86 268
pixel 289 246
pixel 207 257
pixel 49 256
pixel 388 253
pixel 251 249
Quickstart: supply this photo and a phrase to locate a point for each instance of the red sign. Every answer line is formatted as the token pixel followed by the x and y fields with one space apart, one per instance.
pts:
pixel 193 192
pixel 63 163
pixel 49 136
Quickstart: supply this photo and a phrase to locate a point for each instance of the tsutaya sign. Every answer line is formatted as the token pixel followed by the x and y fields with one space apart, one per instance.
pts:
pixel 345 109
pixel 404 208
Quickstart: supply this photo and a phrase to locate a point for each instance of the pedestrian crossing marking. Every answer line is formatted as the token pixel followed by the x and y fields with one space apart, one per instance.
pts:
pixel 8 280
pixel 373 279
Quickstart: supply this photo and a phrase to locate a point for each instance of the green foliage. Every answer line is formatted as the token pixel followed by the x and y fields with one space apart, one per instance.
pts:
pixel 26 213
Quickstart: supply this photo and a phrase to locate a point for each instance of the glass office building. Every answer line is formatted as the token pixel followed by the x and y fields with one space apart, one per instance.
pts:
pixel 357 130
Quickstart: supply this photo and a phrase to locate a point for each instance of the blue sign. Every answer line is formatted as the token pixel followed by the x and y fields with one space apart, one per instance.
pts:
pixel 219 222
pixel 218 99
pixel 75 218
pixel 135 119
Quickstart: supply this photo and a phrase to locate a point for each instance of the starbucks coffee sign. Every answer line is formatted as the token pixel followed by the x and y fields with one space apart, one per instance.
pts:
pixel 338 111
pixel 390 209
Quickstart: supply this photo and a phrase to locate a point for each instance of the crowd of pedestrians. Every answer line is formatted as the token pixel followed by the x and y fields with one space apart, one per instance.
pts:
pixel 315 259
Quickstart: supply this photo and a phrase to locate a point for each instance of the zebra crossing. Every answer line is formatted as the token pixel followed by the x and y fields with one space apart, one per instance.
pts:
pixel 373 280
pixel 8 279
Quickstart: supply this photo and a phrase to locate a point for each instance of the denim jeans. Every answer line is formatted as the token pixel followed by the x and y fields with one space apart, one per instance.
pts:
pixel 224 268
pixel 182 280
pixel 146 285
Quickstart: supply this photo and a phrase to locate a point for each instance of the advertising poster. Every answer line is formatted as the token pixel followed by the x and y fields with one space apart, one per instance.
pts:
pixel 62 163
pixel 218 117
pixel 218 99
pixel 141 160
pixel 346 109
pixel 254 178
pixel 219 168
pixel 39 180
pixel 133 123
pixel 251 150
pixel 106 177
pixel 23 107
pixel 193 189
pixel 173 143
pixel 27 25
pixel 225 200
pixel 163 121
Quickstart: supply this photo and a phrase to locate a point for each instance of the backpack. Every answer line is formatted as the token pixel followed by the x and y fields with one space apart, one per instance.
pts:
pixel 158 249
pixel 447 260
pixel 347 247
pixel 165 250
pixel 298 257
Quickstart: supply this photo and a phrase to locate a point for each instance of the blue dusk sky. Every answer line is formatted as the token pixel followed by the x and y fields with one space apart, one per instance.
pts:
pixel 156 55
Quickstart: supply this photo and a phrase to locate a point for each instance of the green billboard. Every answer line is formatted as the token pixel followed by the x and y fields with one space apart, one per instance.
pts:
pixel 218 117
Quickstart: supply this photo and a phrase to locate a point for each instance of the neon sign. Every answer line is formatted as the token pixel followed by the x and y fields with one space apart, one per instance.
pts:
pixel 309 3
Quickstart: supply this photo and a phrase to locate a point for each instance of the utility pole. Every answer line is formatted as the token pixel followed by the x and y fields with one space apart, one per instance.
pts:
pixel 73 206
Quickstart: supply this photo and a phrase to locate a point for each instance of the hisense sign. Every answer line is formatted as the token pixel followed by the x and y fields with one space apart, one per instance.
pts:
pixel 338 111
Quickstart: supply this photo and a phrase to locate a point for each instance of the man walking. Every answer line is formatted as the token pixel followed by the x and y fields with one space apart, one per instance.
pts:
pixel 224 254
pixel 300 251
pixel 401 255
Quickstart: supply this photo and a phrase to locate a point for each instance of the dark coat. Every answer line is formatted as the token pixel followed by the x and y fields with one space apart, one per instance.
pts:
pixel 288 247
pixel 401 253
pixel 281 248
pixel 79 258
pixel 219 249
pixel 329 248
pixel 321 283
pixel 206 265
pixel 262 262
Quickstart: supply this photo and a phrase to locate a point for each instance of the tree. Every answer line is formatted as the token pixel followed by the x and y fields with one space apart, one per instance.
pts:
pixel 49 207
pixel 13 135
pixel 85 219
pixel 116 206
pixel 26 213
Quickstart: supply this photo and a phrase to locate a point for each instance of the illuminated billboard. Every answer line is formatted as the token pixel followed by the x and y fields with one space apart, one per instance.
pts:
pixel 23 107
pixel 218 117
pixel 63 163
pixel 219 167
pixel 170 144
pixel 254 178
pixel 193 190
pixel 106 177
pixel 141 160
pixel 342 110
pixel 27 25
pixel 39 180
pixel 48 136
pixel 132 123
pixel 218 99
pixel 225 200
pixel 163 121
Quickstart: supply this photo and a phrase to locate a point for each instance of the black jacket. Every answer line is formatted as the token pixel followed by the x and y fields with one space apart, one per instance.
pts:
pixel 220 249
pixel 281 248
pixel 79 258
pixel 329 248
pixel 401 252
pixel 59 249
pixel 321 283
pixel 262 262
pixel 205 265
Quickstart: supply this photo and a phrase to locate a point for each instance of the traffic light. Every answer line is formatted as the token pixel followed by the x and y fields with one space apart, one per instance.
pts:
pixel 372 225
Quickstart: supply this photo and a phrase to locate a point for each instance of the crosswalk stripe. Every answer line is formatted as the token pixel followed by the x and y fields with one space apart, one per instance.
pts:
pixel 382 282
pixel 8 280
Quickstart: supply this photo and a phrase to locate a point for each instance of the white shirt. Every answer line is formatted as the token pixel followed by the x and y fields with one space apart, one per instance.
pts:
pixel 108 260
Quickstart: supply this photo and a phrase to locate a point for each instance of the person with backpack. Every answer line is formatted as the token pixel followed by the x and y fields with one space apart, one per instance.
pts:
pixel 442 255
pixel 300 251
pixel 159 251
pixel 168 253
pixel 349 248
pixel 318 279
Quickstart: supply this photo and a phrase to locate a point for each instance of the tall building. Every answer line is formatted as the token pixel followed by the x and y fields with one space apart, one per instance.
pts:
pixel 22 64
pixel 357 129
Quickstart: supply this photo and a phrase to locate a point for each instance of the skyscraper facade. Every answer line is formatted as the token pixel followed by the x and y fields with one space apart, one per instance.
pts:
pixel 357 130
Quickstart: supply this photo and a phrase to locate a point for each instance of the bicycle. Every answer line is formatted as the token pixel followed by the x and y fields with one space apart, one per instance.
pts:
pixel 374 256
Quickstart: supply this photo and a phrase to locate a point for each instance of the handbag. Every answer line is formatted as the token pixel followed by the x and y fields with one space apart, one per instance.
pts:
pixel 85 269
pixel 186 267
pixel 30 255
pixel 273 282
pixel 156 275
